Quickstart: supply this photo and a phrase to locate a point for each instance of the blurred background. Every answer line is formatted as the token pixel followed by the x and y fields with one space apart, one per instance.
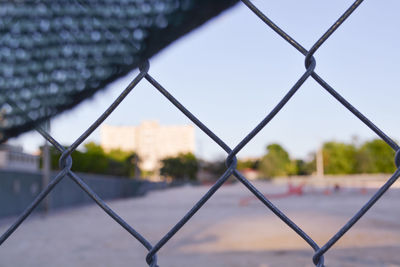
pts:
pixel 315 160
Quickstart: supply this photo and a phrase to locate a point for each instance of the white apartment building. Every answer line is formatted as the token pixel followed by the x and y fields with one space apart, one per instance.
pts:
pixel 150 140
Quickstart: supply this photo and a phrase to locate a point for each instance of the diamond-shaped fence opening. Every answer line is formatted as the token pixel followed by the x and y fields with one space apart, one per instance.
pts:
pixel 18 109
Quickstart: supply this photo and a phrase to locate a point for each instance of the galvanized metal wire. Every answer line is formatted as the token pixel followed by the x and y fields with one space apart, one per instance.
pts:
pixel 231 161
pixel 56 53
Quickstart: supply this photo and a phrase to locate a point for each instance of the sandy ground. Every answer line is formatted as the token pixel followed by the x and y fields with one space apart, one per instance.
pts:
pixel 223 233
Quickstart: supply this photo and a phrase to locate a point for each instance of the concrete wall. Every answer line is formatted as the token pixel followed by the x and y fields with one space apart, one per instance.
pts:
pixel 19 189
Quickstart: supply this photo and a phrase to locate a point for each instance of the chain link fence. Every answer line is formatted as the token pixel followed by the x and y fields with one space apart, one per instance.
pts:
pixel 318 259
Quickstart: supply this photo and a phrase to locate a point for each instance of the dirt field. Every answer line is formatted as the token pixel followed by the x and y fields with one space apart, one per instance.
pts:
pixel 232 229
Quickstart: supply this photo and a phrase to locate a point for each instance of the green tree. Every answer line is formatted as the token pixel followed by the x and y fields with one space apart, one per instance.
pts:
pixel 119 154
pixel 375 157
pixel 216 167
pixel 276 162
pixel 248 164
pixel 181 167
pixel 93 159
pixel 304 167
pixel 339 158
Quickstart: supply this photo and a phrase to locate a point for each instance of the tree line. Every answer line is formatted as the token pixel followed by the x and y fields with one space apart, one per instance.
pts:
pixel 373 156
pixel 94 159
pixel 339 158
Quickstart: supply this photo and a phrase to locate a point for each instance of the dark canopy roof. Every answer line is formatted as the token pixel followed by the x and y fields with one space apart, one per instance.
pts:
pixel 56 53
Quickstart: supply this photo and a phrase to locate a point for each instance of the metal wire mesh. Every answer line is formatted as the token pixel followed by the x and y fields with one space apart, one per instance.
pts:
pixel 231 161
pixel 56 53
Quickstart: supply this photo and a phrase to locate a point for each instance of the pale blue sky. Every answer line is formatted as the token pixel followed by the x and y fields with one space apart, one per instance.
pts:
pixel 231 72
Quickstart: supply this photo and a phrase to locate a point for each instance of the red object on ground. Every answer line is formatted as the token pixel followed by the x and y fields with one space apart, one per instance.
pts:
pixel 292 190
